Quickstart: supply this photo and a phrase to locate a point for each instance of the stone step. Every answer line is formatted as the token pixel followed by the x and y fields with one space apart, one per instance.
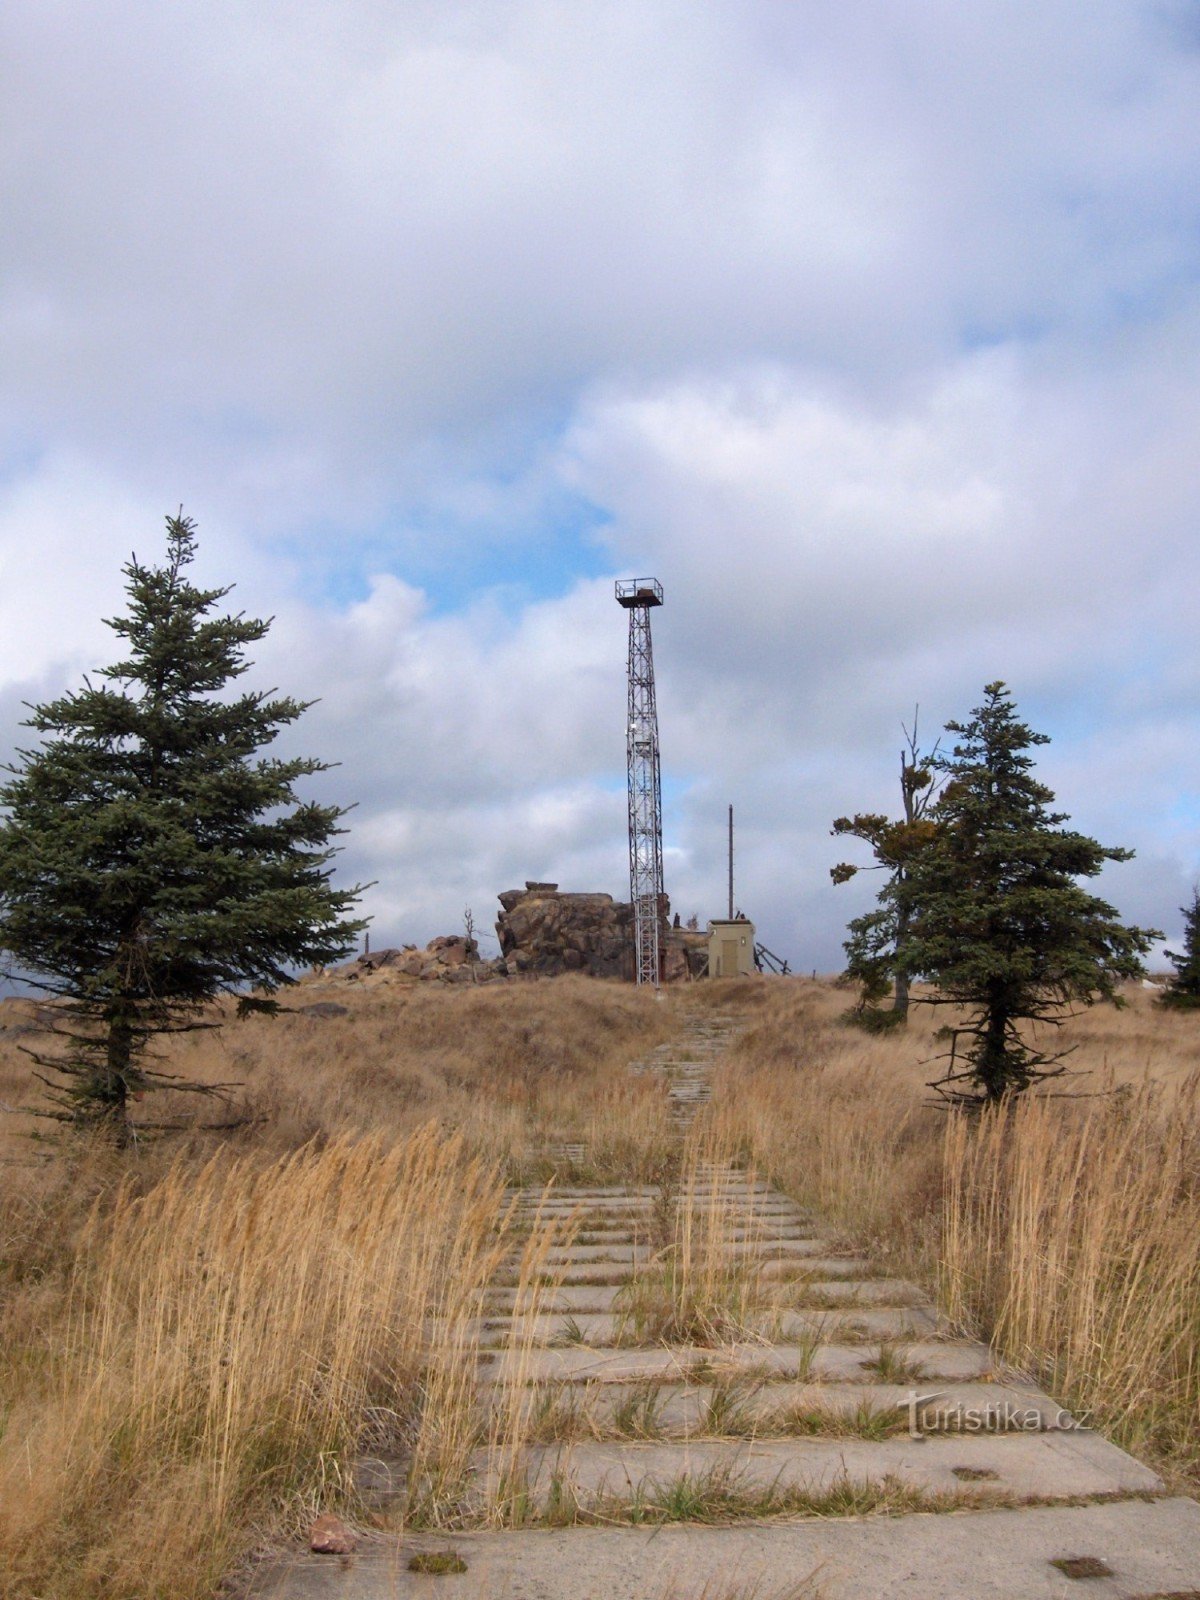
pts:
pixel 802 1292
pixel 1058 1465
pixel 561 1205
pixel 622 1248
pixel 777 1258
pixel 786 1261
pixel 875 1322
pixel 1151 1548
pixel 791 1327
pixel 587 1298
pixel 590 1288
pixel 760 1407
pixel 793 1260
pixel 799 1233
pixel 928 1361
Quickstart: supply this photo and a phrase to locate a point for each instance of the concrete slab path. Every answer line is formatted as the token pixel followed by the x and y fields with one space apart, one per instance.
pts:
pixel 794 1424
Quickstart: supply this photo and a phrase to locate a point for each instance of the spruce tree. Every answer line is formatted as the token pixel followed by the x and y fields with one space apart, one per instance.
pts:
pixel 1183 990
pixel 150 859
pixel 998 921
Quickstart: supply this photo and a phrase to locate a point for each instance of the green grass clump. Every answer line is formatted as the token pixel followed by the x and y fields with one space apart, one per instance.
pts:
pixel 437 1563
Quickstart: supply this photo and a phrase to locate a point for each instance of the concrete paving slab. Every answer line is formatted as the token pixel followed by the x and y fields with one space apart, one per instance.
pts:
pixel 801 1259
pixel 601 1270
pixel 877 1322
pixel 801 1233
pixel 684 1409
pixel 1046 1466
pixel 576 1297
pixel 561 1195
pixel 1153 1549
pixel 618 1252
pixel 586 1213
pixel 857 1291
pixel 867 1323
pixel 832 1363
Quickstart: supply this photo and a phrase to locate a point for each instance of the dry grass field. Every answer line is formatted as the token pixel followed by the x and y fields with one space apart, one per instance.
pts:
pixel 1063 1229
pixel 196 1337
pixel 193 1336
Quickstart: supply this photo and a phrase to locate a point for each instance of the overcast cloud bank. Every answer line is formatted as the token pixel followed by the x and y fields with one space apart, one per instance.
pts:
pixel 871 331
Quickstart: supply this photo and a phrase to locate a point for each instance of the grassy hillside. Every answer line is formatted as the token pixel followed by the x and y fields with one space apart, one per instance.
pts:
pixel 195 1338
pixel 191 1337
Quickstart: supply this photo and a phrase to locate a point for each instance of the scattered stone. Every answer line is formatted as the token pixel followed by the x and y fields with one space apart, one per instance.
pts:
pixel 324 1008
pixel 450 958
pixel 329 1536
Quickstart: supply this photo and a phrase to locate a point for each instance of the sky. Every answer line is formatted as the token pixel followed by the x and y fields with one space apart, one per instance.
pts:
pixel 871 330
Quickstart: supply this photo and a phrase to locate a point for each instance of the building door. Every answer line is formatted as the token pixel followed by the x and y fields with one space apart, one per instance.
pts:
pixel 729 958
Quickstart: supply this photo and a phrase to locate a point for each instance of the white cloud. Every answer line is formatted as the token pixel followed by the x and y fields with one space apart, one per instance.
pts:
pixel 872 331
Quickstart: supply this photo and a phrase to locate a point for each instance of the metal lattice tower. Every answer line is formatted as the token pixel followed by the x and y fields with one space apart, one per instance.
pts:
pixel 638 595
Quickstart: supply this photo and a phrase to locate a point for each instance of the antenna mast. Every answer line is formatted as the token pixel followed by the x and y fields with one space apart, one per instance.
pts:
pixel 731 863
pixel 638 595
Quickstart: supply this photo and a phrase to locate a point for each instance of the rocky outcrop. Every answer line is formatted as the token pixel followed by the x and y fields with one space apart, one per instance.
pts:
pixel 542 933
pixel 685 955
pixel 542 930
pixel 450 958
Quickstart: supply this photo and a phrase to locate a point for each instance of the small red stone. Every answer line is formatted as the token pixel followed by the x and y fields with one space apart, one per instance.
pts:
pixel 331 1537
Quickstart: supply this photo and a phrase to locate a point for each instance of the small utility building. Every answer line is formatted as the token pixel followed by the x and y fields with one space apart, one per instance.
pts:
pixel 730 948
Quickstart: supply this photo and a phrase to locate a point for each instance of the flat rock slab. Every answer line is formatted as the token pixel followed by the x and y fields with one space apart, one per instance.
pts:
pixel 1153 1549
pixel 1043 1466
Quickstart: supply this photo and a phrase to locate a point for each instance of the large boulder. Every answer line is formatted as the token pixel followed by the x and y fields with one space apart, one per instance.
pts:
pixel 545 931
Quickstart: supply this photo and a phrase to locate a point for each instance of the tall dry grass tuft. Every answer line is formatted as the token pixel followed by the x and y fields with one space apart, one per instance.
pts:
pixel 831 1115
pixel 702 1285
pixel 515 1396
pixel 1070 1236
pixel 221 1340
pixel 1062 1229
